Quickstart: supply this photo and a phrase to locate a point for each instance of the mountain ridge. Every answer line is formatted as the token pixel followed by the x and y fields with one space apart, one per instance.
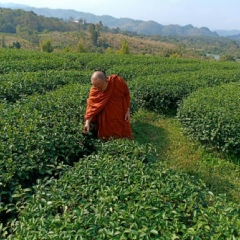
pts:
pixel 126 24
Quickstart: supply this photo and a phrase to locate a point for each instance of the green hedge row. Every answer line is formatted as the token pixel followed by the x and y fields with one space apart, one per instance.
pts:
pixel 133 66
pixel 14 86
pixel 212 116
pixel 117 194
pixel 38 137
pixel 8 54
pixel 162 93
pixel 34 65
pixel 30 61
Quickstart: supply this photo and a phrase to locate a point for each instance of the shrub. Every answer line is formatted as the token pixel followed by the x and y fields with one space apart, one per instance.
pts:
pixel 38 138
pixel 14 86
pixel 116 194
pixel 16 45
pixel 164 92
pixel 124 47
pixel 13 60
pixel 46 46
pixel 161 93
pixel 212 116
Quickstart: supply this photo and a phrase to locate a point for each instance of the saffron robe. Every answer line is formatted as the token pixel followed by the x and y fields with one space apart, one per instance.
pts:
pixel 108 109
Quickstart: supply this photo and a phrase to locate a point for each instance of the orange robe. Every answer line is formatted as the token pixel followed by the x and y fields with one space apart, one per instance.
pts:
pixel 108 109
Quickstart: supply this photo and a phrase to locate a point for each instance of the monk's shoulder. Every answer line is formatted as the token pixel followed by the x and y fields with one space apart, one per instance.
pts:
pixel 116 78
pixel 112 77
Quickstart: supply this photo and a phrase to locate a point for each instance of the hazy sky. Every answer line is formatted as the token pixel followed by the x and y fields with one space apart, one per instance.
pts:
pixel 214 14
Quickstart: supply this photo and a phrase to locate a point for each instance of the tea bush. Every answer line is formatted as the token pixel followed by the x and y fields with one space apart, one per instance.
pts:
pixel 38 137
pixel 117 194
pixel 162 93
pixel 17 85
pixel 29 61
pixel 212 116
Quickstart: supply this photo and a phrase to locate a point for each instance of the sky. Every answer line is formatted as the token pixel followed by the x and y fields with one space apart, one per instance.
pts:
pixel 214 14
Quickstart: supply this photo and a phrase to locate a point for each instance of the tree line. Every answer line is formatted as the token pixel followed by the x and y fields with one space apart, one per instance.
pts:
pixel 17 21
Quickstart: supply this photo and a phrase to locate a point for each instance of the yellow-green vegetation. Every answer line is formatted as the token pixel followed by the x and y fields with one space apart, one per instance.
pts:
pixel 220 172
pixel 80 41
pixel 56 183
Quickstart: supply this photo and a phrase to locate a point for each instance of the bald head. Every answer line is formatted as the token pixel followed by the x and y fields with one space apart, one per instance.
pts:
pixel 98 76
pixel 99 81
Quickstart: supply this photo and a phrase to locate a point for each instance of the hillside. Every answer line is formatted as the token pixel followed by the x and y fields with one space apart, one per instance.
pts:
pixel 125 24
pixel 29 30
pixel 15 21
pixel 68 41
pixel 226 33
pixel 235 37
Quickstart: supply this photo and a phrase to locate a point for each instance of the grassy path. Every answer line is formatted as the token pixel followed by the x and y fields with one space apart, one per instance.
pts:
pixel 221 174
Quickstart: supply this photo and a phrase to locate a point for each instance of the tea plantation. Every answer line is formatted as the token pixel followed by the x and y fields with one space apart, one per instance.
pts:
pixel 56 183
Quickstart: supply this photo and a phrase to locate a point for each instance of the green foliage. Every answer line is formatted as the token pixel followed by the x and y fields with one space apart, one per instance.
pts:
pixel 178 151
pixel 93 33
pixel 16 61
pixel 214 45
pixel 163 92
pixel 41 134
pixel 46 46
pixel 175 55
pixel 211 115
pixel 15 86
pixel 38 137
pixel 81 48
pixel 28 22
pixel 110 50
pixel 227 58
pixel 3 42
pixel 16 45
pixel 115 194
pixel 124 47
pixel 159 94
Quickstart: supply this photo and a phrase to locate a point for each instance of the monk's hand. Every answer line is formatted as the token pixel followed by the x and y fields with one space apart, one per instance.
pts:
pixel 86 128
pixel 127 115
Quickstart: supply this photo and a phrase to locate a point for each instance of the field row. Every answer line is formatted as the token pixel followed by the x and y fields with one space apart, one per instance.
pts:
pixel 42 104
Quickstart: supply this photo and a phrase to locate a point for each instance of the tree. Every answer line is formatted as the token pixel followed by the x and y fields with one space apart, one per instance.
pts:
pixel 16 45
pixel 124 48
pixel 80 47
pixel 94 34
pixel 227 58
pixel 99 27
pixel 3 41
pixel 46 46
pixel 34 38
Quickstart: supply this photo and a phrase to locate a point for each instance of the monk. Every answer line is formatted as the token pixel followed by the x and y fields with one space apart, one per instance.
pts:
pixel 108 106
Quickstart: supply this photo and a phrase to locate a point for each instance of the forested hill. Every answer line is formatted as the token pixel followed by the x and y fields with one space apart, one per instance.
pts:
pixel 125 24
pixel 235 37
pixel 13 21
pixel 128 24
